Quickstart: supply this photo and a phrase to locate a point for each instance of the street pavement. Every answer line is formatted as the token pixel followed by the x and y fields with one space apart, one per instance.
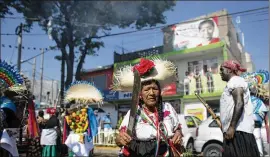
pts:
pixel 104 155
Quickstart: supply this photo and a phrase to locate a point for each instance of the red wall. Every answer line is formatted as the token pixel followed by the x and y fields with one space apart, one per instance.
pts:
pixel 107 72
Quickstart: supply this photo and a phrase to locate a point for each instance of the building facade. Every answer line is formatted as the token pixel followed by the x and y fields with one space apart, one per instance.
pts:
pixel 197 47
pixel 102 78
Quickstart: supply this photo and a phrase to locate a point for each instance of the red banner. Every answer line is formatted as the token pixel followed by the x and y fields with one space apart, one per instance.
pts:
pixel 169 89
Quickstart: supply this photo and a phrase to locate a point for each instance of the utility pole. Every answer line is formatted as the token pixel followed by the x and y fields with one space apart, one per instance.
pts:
pixel 52 92
pixel 41 76
pixel 19 47
pixel 0 38
pixel 34 75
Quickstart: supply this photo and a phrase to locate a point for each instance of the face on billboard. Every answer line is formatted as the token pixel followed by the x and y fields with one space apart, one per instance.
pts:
pixel 195 34
pixel 206 29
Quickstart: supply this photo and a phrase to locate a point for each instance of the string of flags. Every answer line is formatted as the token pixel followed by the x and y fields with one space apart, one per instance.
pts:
pixel 23 47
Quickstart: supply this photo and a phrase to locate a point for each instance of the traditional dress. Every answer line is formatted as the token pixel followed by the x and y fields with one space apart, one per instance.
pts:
pixel 243 143
pixel 151 136
pixel 50 136
pixel 144 142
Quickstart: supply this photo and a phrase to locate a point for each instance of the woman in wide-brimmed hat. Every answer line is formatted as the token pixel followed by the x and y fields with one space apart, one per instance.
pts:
pixel 157 130
pixel 80 124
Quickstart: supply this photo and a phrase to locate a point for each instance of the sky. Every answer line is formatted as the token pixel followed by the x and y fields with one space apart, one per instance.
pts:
pixel 256 37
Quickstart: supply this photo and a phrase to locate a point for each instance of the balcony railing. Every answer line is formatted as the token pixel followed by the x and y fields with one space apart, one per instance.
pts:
pixel 205 87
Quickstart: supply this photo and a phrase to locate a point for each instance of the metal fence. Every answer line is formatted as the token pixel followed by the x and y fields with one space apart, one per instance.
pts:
pixel 106 138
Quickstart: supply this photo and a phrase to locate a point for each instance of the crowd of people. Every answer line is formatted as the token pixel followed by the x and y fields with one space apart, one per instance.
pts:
pixel 156 130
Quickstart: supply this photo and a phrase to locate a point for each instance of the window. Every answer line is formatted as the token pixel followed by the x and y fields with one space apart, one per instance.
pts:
pixel 210 64
pixel 203 65
pixel 100 81
pixel 195 66
pixel 213 124
pixel 197 120
pixel 190 122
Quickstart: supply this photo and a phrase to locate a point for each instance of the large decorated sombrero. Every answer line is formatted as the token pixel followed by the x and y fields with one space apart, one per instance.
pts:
pixel 83 92
pixel 157 69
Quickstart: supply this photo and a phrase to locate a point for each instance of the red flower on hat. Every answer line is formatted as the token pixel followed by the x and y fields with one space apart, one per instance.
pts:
pixel 144 66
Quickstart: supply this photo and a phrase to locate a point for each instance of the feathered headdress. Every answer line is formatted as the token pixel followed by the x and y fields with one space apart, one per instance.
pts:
pixel 9 76
pixel 83 92
pixel 10 81
pixel 157 69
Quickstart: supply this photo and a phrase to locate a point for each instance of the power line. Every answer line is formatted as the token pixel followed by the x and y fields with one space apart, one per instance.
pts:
pixel 33 57
pixel 129 32
pixel 189 21
pixel 50 78
pixel 158 27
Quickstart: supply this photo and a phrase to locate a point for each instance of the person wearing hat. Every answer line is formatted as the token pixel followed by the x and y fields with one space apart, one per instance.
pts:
pixel 157 130
pixel 80 124
pixel 236 113
pixel 15 100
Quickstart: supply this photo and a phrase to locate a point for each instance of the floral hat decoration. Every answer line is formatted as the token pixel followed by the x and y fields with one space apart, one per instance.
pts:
pixel 157 69
pixel 83 92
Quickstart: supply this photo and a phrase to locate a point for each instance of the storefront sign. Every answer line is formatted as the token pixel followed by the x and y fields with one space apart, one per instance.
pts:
pixel 169 89
pixel 110 95
pixel 196 109
pixel 125 95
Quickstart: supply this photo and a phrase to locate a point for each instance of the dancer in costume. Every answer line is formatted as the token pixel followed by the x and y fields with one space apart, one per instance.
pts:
pixel 157 130
pixel 81 119
pixel 236 113
pixel 260 101
pixel 15 101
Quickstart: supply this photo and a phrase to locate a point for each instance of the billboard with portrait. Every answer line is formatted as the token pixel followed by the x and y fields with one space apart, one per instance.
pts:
pixel 196 33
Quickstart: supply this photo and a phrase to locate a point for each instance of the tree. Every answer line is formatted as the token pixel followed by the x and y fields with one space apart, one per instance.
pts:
pixel 75 25
pixel 5 7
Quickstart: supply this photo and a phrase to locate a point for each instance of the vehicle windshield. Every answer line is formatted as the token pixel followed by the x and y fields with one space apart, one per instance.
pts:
pixel 197 120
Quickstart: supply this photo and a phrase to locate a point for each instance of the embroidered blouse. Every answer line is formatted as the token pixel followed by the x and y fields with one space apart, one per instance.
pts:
pixel 145 131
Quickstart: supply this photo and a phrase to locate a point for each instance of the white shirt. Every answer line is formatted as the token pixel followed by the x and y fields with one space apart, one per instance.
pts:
pixel 246 122
pixel 48 137
pixel 9 143
pixel 144 131
pixel 78 148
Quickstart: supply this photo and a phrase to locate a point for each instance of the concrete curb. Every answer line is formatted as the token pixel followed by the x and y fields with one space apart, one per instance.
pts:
pixel 106 150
